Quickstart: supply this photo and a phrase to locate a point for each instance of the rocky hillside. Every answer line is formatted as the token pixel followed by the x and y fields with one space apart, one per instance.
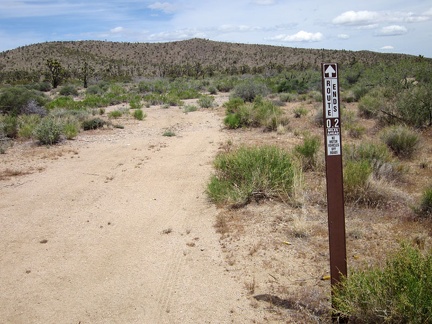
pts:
pixel 194 57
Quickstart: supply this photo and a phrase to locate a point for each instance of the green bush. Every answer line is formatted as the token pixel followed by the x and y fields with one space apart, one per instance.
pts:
pixel 189 108
pixel 300 112
pixel 68 90
pixel 14 99
pixel 308 152
pixel 260 113
pixel 115 114
pixel 48 131
pixel 401 140
pixel 232 121
pixel 399 292
pixel 206 101
pixel 9 125
pixel 425 208
pixel 135 102
pixel 377 155
pixel 62 102
pixel 249 90
pixel 71 129
pixel 233 104
pixel 27 125
pixel 252 173
pixel 370 105
pixel 414 106
pixel 93 123
pixel 356 176
pixel 138 114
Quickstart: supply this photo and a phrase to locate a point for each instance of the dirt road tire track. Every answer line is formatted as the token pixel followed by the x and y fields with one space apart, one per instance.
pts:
pixel 118 230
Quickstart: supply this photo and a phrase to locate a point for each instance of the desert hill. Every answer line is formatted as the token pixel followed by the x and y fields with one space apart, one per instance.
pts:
pixel 194 57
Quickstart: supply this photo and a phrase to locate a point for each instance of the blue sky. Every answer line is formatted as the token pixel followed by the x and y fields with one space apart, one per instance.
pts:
pixel 377 25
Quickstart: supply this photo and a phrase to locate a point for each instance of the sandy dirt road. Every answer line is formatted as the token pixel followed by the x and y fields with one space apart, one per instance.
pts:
pixel 117 228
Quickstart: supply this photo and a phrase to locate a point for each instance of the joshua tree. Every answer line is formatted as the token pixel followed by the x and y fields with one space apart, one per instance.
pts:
pixel 56 72
pixel 86 72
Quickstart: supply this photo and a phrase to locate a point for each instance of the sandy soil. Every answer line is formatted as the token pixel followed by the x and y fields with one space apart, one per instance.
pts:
pixel 115 227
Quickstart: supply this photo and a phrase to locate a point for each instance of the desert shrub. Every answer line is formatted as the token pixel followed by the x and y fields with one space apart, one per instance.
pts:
pixel 308 151
pixel 225 85
pixel 169 133
pixel 135 102
pixel 414 106
pixel 425 208
pixel 401 140
pixel 232 105
pixel 94 90
pixel 206 101
pixel 44 86
pixel 115 114
pixel 378 156
pixel 68 90
pixel 33 108
pixel 14 99
pixel 232 121
pixel 249 90
pixel 252 173
pixel 62 102
pixel 397 292
pixel 189 108
pixel 212 90
pixel 5 143
pixel 27 125
pixel 260 113
pixel 139 114
pixel 9 126
pixel 48 131
pixel 300 112
pixel 94 101
pixel 319 118
pixel 287 97
pixel 93 123
pixel 369 106
pixel 356 176
pixel 71 129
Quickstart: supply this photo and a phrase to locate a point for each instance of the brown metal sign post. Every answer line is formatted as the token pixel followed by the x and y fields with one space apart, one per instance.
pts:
pixel 333 157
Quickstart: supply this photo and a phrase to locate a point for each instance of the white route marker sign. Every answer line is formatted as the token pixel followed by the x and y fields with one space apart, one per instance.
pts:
pixel 332 113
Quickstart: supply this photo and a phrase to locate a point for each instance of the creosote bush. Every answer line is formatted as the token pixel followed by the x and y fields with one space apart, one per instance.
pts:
pixel 398 292
pixel 425 208
pixel 206 101
pixel 401 140
pixel 48 131
pixel 260 113
pixel 93 123
pixel 252 173
pixel 249 90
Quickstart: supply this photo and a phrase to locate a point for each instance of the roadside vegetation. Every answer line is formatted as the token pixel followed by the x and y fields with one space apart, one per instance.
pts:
pixel 386 123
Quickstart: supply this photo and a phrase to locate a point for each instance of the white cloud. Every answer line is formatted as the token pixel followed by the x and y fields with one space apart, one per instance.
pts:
pixel 264 2
pixel 163 6
pixel 343 36
pixel 176 35
pixel 355 18
pixel 117 30
pixel 301 36
pixel 393 30
pixel 387 47
pixel 372 18
pixel 240 28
